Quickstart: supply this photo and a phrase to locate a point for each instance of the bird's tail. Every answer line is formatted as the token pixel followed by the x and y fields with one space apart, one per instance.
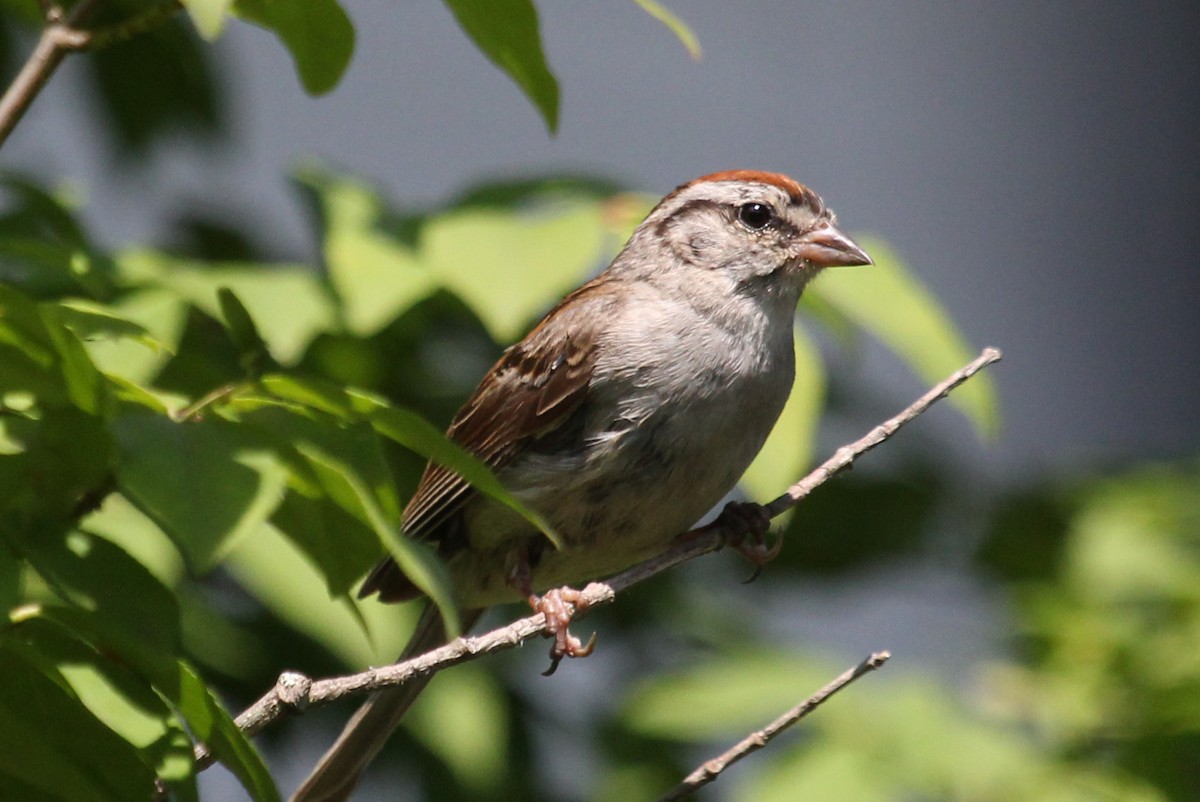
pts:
pixel 337 773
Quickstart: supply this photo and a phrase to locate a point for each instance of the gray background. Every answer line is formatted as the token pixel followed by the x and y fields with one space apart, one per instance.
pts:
pixel 1036 164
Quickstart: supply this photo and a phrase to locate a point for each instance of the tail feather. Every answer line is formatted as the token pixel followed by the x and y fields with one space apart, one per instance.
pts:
pixel 338 772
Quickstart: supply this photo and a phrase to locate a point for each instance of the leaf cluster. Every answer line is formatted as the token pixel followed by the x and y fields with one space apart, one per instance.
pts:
pixel 164 417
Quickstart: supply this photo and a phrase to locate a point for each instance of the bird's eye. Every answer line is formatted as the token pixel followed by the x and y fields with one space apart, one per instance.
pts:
pixel 755 215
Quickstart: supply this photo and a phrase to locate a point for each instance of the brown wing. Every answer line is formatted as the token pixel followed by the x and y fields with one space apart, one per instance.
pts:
pixel 530 391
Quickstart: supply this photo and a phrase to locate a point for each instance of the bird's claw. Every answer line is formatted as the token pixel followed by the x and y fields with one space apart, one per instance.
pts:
pixel 560 606
pixel 744 526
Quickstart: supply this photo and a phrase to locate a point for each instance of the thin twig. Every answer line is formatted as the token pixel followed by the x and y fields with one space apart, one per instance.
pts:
pixel 711 769
pixel 296 692
pixel 62 36
pixel 844 457
pixel 147 20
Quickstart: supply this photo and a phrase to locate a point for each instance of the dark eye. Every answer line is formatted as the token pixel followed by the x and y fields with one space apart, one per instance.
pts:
pixel 755 215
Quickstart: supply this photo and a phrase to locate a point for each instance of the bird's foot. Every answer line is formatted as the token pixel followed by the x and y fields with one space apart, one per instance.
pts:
pixel 560 606
pixel 744 525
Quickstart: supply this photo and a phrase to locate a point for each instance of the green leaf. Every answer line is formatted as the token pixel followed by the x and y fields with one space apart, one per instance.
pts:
pixel 207 483
pixel 287 303
pixel 888 301
pixel 376 277
pixel 789 447
pixel 406 428
pixel 272 567
pixel 131 530
pixel 824 771
pixel 175 90
pixel 417 434
pixel 208 16
pixel 92 321
pixel 252 351
pixel 133 337
pixel 512 265
pixel 213 727
pixel 184 690
pixel 32 211
pixel 416 560
pixel 41 356
pixel 338 544
pixel 43 249
pixel 674 24
pixel 347 464
pixel 317 33
pixel 123 701
pixel 65 457
pixel 99 576
pixel 52 742
pixel 506 31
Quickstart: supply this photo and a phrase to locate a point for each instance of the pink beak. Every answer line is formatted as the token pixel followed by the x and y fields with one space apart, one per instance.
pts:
pixel 827 246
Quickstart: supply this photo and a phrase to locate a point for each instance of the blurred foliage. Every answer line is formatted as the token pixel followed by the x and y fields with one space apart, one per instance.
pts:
pixel 202 449
pixel 162 417
pixel 1096 697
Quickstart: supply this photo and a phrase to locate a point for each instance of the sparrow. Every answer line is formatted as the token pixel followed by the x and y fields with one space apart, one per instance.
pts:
pixel 629 411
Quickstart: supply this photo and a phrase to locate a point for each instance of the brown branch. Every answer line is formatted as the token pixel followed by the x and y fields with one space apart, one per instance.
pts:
pixel 62 36
pixel 711 769
pixel 296 692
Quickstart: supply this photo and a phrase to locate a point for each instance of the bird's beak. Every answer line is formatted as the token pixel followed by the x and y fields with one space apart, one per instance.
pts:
pixel 827 246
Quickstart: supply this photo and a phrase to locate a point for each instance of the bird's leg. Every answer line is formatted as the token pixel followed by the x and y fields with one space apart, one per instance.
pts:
pixel 744 526
pixel 560 606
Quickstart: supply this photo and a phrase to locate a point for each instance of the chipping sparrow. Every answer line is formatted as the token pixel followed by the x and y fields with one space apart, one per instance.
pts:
pixel 630 410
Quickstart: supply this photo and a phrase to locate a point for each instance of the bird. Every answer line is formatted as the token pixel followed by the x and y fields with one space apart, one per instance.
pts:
pixel 628 412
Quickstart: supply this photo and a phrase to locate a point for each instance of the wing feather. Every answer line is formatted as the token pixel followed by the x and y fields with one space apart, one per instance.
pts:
pixel 532 390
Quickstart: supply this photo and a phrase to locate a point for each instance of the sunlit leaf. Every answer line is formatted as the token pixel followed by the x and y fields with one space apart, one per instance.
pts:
pixel 346 464
pixel 506 31
pixel 286 302
pixel 41 356
pixel 406 428
pixel 676 25
pixel 213 727
pixel 415 560
pixel 512 265
pixel 158 318
pixel 76 757
pixel 376 277
pixel 207 483
pixel 120 699
pixel 129 528
pixel 208 16
pixel 271 567
pixel 99 576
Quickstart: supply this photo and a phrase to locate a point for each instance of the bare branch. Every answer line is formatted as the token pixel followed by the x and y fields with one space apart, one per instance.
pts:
pixel 295 692
pixel 711 769
pixel 844 457
pixel 60 37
